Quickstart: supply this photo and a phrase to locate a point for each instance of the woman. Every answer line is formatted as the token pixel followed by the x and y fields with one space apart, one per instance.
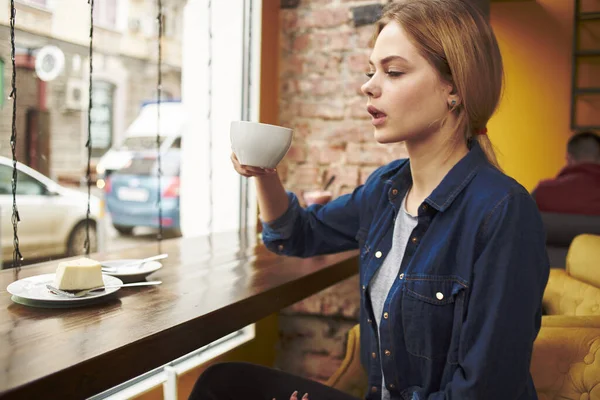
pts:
pixel 452 251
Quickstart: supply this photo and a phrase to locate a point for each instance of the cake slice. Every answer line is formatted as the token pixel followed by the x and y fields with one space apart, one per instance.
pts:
pixel 80 274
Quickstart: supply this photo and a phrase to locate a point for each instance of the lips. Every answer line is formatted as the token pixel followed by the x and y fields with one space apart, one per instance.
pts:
pixel 378 115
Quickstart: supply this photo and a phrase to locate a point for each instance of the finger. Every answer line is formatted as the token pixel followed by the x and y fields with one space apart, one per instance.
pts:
pixel 250 173
pixel 294 396
pixel 252 169
pixel 305 397
pixel 259 170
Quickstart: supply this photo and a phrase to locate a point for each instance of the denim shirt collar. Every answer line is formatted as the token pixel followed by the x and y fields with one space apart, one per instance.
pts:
pixel 449 188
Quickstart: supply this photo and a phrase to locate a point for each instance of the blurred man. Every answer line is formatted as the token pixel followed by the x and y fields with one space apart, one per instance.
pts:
pixel 576 189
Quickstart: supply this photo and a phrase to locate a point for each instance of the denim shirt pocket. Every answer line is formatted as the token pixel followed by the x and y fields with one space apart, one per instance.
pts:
pixel 432 314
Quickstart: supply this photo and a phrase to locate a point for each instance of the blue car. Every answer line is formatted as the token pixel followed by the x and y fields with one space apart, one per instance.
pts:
pixel 132 193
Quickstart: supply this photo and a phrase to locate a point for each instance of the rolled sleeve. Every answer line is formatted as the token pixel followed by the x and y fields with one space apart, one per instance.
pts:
pixel 318 229
pixel 283 227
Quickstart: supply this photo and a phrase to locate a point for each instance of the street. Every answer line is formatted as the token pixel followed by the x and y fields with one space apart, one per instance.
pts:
pixel 114 241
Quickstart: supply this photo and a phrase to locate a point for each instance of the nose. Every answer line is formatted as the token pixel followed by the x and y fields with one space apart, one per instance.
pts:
pixel 371 88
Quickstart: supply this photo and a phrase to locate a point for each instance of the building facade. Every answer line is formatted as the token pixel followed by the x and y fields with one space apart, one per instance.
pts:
pixel 52 121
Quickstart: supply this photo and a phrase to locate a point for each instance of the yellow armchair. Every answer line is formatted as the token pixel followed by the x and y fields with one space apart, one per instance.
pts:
pixel 576 290
pixel 350 377
pixel 565 363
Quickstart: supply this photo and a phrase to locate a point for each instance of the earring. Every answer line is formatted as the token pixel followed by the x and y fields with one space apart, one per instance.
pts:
pixel 453 103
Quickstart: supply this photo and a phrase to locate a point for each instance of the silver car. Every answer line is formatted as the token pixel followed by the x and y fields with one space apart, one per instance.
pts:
pixel 52 216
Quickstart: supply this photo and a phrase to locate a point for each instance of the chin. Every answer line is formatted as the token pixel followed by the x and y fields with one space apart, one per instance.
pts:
pixel 386 136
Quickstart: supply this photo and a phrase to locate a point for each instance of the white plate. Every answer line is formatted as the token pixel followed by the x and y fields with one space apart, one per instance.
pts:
pixel 130 273
pixel 33 289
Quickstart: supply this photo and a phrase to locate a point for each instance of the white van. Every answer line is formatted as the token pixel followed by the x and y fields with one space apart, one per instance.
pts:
pixel 141 136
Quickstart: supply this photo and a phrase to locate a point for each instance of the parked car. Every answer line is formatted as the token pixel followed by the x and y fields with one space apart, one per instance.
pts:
pixel 140 137
pixel 132 193
pixel 52 216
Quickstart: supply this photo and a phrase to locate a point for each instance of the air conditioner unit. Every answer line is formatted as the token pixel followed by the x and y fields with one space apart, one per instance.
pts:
pixel 76 96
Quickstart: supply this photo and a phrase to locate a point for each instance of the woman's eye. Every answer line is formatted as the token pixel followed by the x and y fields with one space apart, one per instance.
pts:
pixel 370 74
pixel 394 74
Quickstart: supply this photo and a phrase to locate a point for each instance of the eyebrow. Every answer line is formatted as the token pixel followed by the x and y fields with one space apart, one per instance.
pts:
pixel 389 59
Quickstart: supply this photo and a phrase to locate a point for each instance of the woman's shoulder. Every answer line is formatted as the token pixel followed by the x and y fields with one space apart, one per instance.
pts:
pixel 492 188
pixel 497 183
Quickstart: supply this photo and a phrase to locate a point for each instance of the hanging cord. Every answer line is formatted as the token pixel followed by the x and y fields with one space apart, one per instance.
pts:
pixel 158 157
pixel 209 116
pixel 17 257
pixel 88 144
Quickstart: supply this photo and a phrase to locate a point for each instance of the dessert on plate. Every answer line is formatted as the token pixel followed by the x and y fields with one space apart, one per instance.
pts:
pixel 80 274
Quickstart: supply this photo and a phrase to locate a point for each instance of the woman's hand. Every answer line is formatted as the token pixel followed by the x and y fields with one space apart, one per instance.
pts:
pixel 248 171
pixel 295 396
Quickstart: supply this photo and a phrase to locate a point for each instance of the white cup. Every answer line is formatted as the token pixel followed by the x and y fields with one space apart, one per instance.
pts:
pixel 259 145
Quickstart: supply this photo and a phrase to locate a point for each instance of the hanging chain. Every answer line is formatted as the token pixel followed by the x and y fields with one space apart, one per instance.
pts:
pixel 209 116
pixel 158 156
pixel 88 144
pixel 17 257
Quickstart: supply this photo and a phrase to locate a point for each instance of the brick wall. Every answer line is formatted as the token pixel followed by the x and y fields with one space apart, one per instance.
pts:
pixel 323 60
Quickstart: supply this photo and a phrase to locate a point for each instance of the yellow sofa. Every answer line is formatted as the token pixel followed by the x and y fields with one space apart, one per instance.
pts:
pixel 565 362
pixel 576 290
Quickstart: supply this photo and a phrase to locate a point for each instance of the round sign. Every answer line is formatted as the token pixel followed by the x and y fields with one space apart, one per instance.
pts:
pixel 49 62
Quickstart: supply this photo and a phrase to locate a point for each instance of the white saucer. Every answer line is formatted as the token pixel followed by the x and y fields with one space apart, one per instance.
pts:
pixel 130 273
pixel 32 291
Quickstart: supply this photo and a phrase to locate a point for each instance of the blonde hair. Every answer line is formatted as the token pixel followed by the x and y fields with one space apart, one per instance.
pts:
pixel 455 38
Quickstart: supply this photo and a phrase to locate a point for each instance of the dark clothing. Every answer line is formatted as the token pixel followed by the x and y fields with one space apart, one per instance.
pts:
pixel 241 381
pixel 460 320
pixel 576 190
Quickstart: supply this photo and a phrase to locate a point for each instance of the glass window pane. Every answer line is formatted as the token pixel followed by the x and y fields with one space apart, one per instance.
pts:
pixel 1 83
pixel 102 116
pixel 26 185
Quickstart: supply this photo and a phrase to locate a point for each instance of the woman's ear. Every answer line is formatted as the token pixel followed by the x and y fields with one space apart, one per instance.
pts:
pixel 453 97
pixel 453 101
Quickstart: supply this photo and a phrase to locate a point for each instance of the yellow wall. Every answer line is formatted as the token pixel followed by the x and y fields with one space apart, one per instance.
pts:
pixel 531 127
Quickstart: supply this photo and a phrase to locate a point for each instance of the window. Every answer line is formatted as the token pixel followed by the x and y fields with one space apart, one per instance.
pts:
pixel 26 185
pixel 147 165
pixel 1 83
pixel 176 143
pixel 102 117
pixel 140 143
pixel 105 13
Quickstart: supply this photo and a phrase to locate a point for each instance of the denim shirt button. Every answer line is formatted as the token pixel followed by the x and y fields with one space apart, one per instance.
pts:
pixel 394 192
pixel 364 287
pixel 439 295
pixel 388 353
pixel 374 355
pixel 386 315
pixel 280 247
pixel 414 239
pixel 401 276
pixel 373 389
pixel 378 254
pixel 391 386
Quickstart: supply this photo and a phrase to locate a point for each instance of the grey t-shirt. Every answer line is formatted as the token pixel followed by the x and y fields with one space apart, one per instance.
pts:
pixel 385 275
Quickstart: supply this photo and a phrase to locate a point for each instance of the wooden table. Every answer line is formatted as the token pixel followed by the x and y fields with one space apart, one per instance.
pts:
pixel 211 287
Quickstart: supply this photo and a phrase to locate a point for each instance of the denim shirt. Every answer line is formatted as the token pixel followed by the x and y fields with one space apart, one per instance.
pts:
pixel 460 320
